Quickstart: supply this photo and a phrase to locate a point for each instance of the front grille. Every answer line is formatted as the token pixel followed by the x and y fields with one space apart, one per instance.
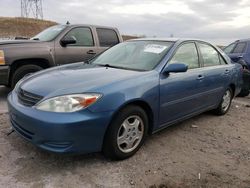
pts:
pixel 27 98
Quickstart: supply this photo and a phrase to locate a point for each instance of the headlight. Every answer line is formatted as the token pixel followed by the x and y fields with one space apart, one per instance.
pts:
pixel 68 103
pixel 2 60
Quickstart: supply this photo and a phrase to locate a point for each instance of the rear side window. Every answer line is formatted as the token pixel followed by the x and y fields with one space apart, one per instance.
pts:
pixel 187 54
pixel 107 37
pixel 83 36
pixel 209 55
pixel 240 47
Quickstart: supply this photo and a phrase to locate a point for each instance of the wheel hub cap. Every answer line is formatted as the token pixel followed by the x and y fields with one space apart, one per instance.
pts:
pixel 130 134
pixel 226 100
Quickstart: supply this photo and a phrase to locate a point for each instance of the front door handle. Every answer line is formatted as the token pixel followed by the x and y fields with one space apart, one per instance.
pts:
pixel 227 71
pixel 200 77
pixel 91 52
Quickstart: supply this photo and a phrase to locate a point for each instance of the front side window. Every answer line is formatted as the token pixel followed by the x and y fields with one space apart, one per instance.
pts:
pixel 107 37
pixel 209 55
pixel 134 55
pixel 240 47
pixel 187 54
pixel 82 35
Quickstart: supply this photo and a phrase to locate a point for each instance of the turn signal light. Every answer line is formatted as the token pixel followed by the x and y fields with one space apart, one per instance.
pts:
pixel 2 60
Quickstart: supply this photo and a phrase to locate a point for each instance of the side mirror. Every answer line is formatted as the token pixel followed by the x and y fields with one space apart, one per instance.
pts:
pixel 68 40
pixel 175 67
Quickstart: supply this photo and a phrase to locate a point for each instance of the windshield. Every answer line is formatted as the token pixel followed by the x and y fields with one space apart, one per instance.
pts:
pixel 49 34
pixel 229 48
pixel 135 55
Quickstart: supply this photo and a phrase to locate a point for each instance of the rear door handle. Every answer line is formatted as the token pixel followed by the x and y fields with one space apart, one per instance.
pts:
pixel 227 71
pixel 91 52
pixel 200 77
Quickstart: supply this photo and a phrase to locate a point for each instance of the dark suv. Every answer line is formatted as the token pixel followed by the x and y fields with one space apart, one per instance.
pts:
pixel 239 52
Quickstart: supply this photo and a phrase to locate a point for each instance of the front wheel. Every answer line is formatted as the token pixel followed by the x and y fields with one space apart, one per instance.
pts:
pixel 126 133
pixel 225 102
pixel 23 71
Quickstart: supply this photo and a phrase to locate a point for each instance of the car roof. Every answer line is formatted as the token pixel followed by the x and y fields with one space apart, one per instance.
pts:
pixel 168 39
pixel 87 25
pixel 243 40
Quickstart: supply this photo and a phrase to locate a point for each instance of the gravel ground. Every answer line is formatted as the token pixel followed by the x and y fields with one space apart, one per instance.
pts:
pixel 205 151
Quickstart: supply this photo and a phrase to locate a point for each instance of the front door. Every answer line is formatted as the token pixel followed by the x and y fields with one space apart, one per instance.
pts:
pixel 180 92
pixel 82 50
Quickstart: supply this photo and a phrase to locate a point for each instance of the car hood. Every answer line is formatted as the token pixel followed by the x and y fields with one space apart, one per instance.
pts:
pixel 75 78
pixel 9 42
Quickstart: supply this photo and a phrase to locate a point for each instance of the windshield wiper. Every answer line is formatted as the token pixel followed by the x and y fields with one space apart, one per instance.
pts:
pixel 110 66
pixel 117 67
pixel 35 39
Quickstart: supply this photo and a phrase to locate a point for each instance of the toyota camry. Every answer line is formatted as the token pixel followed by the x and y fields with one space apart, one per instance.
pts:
pixel 112 102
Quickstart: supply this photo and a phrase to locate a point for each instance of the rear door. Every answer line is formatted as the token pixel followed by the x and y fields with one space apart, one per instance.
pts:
pixel 216 74
pixel 106 38
pixel 82 50
pixel 180 93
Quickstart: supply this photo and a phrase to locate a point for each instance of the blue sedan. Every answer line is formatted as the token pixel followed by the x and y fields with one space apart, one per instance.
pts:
pixel 112 102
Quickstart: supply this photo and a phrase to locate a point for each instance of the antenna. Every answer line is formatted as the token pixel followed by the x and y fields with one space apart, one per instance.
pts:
pixel 32 9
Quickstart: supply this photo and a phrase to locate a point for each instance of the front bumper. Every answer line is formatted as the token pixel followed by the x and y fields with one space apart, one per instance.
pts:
pixel 4 75
pixel 78 132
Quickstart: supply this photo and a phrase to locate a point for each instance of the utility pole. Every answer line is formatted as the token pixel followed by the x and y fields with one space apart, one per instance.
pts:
pixel 32 9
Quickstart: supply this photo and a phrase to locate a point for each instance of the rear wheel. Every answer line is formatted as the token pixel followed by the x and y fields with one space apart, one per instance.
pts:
pixel 225 102
pixel 126 133
pixel 22 71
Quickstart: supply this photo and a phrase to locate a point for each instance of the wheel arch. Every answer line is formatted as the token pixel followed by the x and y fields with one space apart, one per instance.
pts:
pixel 43 63
pixel 144 105
pixel 232 86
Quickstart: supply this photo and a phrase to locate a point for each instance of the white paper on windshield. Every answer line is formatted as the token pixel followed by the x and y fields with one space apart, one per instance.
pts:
pixel 154 48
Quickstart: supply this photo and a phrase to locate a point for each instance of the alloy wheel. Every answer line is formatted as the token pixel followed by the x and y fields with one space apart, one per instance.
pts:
pixel 130 134
pixel 226 100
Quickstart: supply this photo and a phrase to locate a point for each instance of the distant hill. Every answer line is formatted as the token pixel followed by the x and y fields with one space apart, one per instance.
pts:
pixel 28 27
pixel 22 27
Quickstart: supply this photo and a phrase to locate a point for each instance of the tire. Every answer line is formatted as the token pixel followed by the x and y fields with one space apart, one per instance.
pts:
pixel 243 93
pixel 22 71
pixel 225 102
pixel 131 136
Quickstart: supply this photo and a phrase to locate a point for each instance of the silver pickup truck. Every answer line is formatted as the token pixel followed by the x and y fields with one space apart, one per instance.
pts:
pixel 57 45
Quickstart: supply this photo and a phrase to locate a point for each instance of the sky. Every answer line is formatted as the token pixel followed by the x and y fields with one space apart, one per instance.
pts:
pixel 218 21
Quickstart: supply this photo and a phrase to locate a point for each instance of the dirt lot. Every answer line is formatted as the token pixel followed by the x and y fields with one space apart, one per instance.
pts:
pixel 205 151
